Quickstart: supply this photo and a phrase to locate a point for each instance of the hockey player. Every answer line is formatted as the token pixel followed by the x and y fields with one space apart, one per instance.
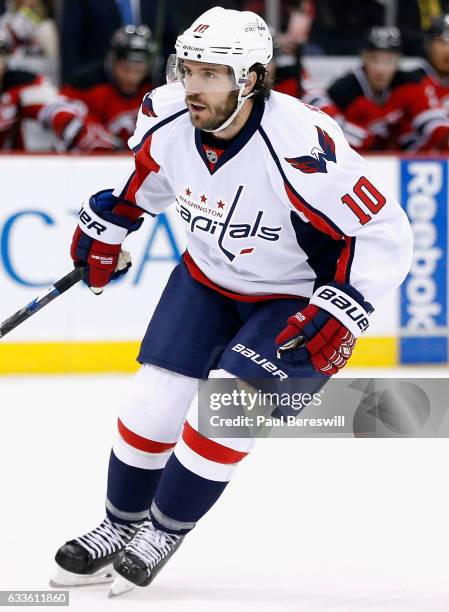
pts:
pixel 392 105
pixel 435 71
pixel 284 223
pixel 27 96
pixel 112 91
pixel 290 77
pixel 293 79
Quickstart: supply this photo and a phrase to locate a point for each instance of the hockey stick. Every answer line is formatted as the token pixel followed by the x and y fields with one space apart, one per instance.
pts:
pixel 34 306
pixel 64 283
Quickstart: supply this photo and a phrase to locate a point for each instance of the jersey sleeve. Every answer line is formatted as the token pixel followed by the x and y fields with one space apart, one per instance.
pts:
pixel 332 189
pixel 147 187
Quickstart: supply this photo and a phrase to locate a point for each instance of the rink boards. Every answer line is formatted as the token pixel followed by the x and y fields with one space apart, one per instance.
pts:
pixel 80 332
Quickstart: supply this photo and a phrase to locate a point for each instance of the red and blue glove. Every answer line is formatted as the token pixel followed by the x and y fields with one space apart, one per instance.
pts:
pixel 96 243
pixel 325 331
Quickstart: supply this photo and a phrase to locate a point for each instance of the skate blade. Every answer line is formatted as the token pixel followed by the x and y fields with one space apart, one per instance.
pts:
pixel 120 586
pixel 63 578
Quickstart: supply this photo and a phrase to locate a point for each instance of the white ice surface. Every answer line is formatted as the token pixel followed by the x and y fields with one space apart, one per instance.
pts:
pixel 307 525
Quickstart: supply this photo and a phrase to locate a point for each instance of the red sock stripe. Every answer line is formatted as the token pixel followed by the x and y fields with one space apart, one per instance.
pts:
pixel 143 444
pixel 208 448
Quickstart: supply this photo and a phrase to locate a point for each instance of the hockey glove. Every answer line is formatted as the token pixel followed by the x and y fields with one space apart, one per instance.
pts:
pixel 81 136
pixel 326 330
pixel 97 240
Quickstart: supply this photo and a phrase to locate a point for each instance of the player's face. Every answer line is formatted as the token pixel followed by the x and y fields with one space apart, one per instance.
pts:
pixel 380 68
pixel 439 55
pixel 129 75
pixel 211 94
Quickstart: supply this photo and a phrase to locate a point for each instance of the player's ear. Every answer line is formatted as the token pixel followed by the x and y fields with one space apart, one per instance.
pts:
pixel 251 81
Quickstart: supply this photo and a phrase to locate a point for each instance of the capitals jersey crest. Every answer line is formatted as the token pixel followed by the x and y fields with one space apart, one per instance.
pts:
pixel 317 162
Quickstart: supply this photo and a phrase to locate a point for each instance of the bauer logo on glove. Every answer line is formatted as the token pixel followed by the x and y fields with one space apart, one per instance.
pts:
pixel 325 331
pixel 103 259
pixel 86 220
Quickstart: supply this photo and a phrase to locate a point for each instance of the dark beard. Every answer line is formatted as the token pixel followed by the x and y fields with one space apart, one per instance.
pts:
pixel 221 113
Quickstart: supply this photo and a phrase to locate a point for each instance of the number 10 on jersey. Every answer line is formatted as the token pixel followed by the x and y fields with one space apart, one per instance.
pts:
pixel 369 196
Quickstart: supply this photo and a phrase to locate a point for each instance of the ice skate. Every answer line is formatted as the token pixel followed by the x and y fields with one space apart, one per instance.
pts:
pixel 88 559
pixel 143 557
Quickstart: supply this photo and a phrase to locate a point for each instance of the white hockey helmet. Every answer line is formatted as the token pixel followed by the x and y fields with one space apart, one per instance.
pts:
pixel 238 39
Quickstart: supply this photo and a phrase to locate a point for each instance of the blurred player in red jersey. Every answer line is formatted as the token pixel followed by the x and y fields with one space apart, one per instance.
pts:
pixel 27 96
pixel 290 77
pixel 435 71
pixel 396 107
pixel 112 91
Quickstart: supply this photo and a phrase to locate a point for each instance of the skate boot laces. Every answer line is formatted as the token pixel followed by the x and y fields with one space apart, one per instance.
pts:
pixel 151 545
pixel 107 538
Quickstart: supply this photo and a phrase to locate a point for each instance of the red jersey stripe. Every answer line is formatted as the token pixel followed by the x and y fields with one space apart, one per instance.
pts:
pixel 199 276
pixel 315 219
pixel 145 164
pixel 343 264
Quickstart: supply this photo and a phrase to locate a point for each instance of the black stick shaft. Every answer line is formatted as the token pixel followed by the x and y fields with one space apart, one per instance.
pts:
pixel 52 293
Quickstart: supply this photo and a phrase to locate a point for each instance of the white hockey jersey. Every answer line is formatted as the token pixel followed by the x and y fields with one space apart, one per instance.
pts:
pixel 288 202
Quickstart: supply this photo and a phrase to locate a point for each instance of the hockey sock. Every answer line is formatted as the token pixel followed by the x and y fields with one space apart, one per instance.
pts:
pixel 135 467
pixel 193 480
pixel 150 423
pixel 130 491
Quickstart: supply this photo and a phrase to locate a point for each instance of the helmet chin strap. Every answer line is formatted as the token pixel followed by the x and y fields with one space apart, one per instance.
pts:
pixel 240 102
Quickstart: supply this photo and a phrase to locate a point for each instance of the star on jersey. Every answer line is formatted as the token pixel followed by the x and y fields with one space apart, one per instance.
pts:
pixel 188 192
pixel 203 199
pixel 221 204
pixel 317 162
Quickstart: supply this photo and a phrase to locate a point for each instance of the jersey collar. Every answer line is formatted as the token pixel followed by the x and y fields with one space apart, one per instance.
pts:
pixel 433 74
pixel 235 145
